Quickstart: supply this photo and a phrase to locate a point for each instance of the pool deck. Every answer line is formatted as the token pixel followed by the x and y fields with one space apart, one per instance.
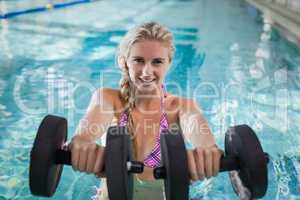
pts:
pixel 283 18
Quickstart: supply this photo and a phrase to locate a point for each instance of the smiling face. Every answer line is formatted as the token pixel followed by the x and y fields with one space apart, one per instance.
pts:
pixel 147 64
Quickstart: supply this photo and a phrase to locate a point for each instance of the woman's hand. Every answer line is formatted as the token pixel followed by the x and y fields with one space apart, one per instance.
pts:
pixel 203 162
pixel 87 156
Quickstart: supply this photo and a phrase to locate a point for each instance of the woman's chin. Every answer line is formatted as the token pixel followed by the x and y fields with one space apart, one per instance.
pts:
pixel 147 89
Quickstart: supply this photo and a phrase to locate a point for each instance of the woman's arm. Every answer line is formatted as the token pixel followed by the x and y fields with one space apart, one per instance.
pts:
pixel 87 156
pixel 193 124
pixel 204 159
pixel 98 116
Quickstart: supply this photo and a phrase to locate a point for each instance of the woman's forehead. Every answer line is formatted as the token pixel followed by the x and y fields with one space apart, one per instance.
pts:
pixel 149 49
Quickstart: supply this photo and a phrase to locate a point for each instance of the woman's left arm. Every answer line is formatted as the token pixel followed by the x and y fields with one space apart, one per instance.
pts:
pixel 204 159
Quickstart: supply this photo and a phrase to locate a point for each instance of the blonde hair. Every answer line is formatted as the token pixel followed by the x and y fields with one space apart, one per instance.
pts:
pixel 147 31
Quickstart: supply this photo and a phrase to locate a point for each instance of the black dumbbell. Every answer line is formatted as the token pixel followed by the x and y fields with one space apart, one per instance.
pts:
pixel 242 148
pixel 48 157
pixel 243 153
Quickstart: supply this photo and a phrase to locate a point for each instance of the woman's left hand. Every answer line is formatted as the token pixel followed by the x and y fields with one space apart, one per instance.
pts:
pixel 203 162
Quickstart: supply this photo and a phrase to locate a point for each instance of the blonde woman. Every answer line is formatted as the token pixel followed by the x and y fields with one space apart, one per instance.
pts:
pixel 144 106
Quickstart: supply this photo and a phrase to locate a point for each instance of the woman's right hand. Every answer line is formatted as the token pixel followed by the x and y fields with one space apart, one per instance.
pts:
pixel 87 156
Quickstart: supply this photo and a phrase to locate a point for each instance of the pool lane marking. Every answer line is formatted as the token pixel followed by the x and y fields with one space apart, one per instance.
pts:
pixel 44 8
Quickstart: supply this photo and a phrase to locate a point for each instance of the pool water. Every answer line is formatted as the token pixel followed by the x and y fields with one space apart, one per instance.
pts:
pixel 239 69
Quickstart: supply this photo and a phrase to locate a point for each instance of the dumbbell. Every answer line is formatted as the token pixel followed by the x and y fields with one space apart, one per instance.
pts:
pixel 243 154
pixel 47 158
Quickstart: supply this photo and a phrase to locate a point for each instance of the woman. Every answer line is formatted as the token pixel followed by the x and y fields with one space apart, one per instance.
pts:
pixel 145 108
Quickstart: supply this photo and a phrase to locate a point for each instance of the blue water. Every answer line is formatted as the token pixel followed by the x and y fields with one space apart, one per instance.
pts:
pixel 238 70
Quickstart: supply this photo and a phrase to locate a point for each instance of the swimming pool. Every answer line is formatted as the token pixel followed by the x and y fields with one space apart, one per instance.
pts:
pixel 238 69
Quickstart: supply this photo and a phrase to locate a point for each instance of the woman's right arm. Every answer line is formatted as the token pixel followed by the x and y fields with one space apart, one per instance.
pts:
pixel 87 156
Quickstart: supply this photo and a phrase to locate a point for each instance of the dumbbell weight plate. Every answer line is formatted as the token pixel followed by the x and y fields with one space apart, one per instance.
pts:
pixel 118 151
pixel 242 142
pixel 44 173
pixel 174 160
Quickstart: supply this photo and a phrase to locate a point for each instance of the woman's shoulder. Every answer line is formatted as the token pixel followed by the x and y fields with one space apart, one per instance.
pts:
pixel 175 106
pixel 109 93
pixel 178 101
pixel 113 96
pixel 105 96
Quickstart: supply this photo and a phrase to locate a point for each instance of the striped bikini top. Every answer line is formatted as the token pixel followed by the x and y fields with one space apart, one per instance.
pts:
pixel 153 159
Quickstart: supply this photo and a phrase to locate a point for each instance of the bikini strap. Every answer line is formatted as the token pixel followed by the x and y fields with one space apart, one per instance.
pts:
pixel 162 99
pixel 164 122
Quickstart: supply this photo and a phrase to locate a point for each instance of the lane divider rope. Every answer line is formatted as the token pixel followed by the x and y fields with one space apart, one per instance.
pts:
pixel 43 8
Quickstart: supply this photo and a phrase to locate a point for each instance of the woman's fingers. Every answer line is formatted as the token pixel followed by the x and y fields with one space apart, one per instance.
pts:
pixel 83 159
pixel 99 162
pixel 75 156
pixel 198 154
pixel 192 165
pixel 216 161
pixel 208 163
pixel 91 157
pixel 87 156
pixel 203 162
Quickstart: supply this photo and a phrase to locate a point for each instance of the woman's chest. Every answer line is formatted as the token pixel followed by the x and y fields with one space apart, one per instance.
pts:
pixel 147 129
pixel 146 138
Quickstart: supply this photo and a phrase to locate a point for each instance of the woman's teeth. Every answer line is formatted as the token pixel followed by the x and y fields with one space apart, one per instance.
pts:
pixel 147 82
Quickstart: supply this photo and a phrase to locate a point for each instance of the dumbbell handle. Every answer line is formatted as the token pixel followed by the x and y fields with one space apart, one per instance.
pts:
pixel 227 163
pixel 64 157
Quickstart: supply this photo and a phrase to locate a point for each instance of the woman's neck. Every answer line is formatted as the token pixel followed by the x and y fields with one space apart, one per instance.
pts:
pixel 148 102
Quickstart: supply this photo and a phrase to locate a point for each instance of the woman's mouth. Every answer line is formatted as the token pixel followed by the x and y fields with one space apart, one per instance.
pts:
pixel 147 82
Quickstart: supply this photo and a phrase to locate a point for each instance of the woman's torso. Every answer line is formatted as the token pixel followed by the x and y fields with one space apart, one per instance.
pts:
pixel 146 126
pixel 144 186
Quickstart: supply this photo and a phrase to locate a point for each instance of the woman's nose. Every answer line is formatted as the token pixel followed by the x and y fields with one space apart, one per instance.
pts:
pixel 147 69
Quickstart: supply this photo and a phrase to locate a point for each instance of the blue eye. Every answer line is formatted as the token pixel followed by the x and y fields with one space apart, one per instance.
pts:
pixel 138 60
pixel 157 62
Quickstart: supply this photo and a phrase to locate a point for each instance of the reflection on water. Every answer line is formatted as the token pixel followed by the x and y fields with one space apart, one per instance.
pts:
pixel 249 73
